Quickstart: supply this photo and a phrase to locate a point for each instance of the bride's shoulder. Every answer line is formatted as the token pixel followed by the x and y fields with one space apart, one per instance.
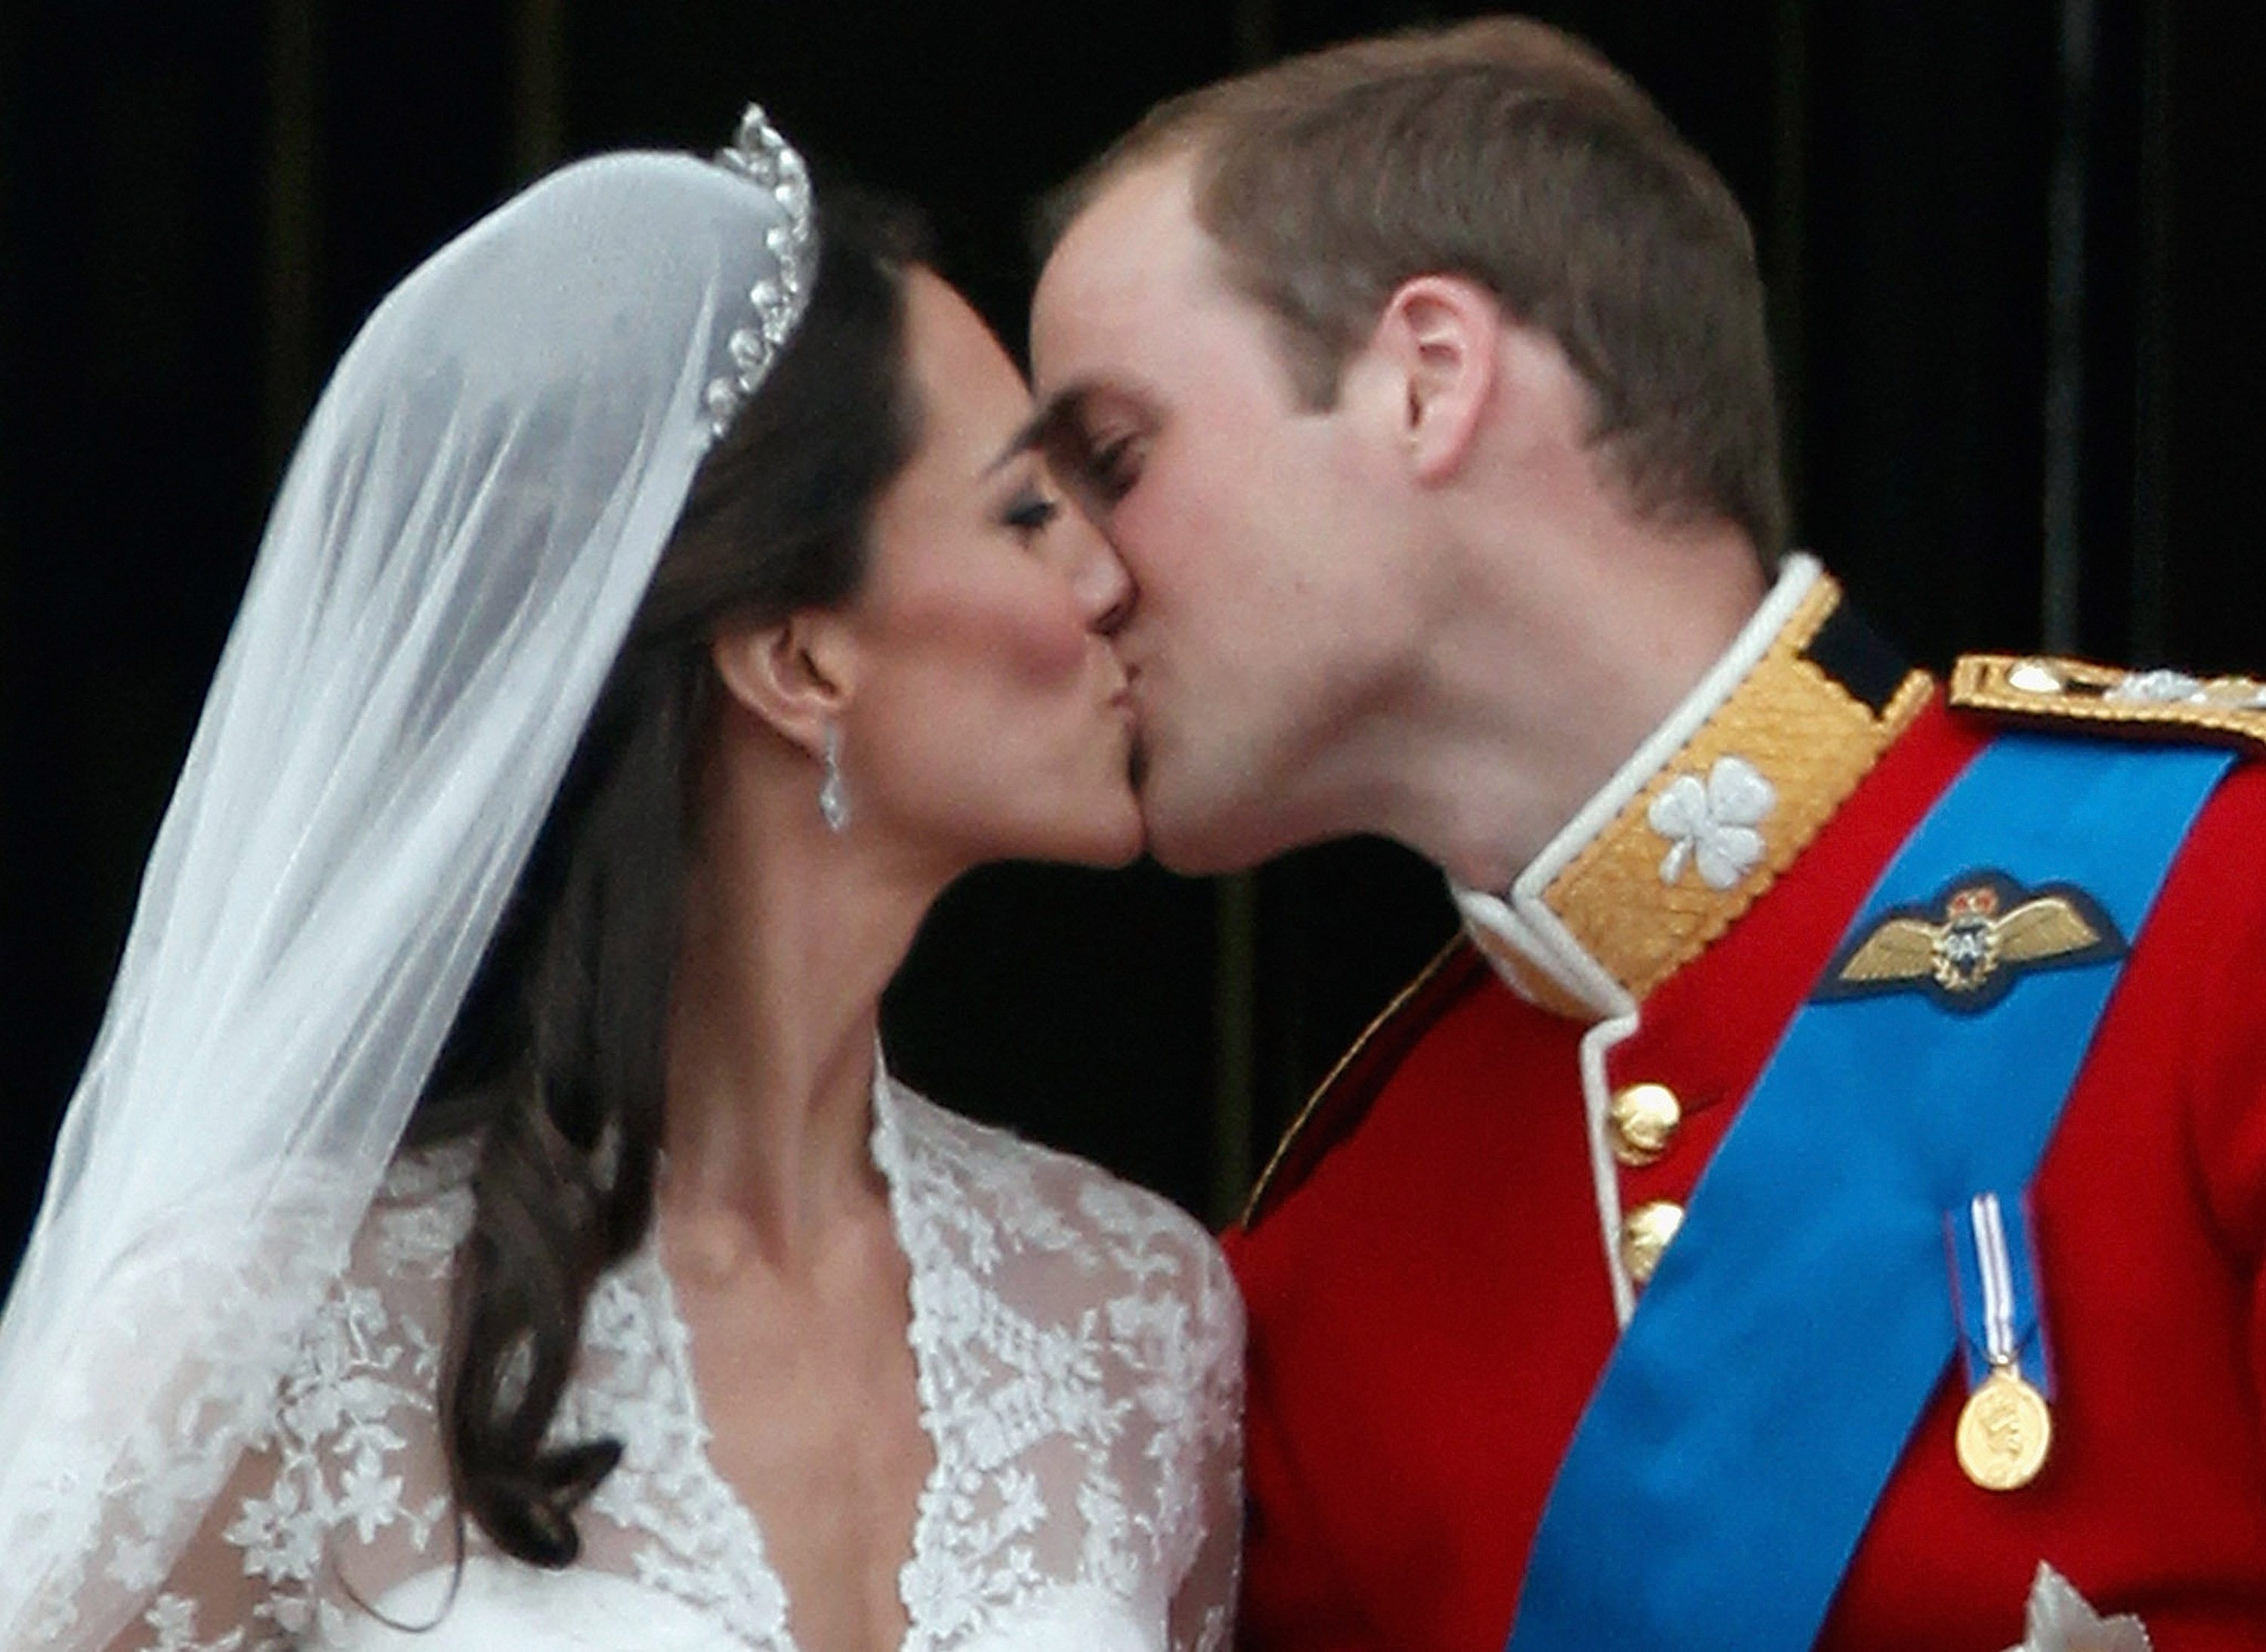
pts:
pixel 421 1215
pixel 392 1298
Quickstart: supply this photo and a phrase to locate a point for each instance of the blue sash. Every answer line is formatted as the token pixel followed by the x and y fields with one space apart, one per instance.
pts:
pixel 1783 1353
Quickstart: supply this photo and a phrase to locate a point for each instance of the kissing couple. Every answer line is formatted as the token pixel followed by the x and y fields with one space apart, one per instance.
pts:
pixel 487 1217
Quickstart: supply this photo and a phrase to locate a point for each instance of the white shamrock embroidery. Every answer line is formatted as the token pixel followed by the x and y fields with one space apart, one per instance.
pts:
pixel 2060 1621
pixel 2159 688
pixel 1713 826
pixel 2177 687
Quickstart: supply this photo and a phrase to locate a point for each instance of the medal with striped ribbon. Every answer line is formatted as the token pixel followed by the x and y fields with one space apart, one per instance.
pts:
pixel 2006 1428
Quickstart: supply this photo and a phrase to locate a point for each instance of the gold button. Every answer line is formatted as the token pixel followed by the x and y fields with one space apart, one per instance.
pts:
pixel 1645 1118
pixel 1645 1235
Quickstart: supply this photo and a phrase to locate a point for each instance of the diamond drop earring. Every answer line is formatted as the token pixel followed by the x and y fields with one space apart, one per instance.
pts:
pixel 833 797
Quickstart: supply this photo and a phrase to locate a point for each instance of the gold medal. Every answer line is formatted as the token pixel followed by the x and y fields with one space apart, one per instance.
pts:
pixel 2005 1430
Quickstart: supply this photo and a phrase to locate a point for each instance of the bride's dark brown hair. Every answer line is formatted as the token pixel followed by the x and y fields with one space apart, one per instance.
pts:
pixel 554 1065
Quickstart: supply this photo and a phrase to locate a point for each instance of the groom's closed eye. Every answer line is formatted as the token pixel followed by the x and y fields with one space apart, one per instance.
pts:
pixel 1095 450
pixel 1110 464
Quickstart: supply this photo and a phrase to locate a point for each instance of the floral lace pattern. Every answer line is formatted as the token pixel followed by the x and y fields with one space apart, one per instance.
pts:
pixel 218 1307
pixel 1078 1347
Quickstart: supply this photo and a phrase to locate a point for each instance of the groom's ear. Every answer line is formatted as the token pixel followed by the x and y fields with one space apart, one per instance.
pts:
pixel 1442 336
pixel 797 673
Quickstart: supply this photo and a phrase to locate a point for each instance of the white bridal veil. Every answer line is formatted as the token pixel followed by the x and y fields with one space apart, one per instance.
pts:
pixel 464 535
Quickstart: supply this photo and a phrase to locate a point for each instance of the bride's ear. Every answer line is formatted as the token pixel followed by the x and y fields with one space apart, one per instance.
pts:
pixel 794 674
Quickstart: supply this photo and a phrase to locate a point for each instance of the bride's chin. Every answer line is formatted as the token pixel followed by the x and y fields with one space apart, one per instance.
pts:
pixel 1112 834
pixel 1132 837
pixel 1115 837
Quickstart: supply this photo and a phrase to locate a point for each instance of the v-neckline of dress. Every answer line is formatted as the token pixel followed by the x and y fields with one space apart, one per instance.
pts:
pixel 773 1607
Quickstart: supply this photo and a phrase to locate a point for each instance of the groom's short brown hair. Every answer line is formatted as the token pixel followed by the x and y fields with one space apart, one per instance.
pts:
pixel 1509 153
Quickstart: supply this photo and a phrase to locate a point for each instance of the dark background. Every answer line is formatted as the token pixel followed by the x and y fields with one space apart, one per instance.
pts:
pixel 2014 268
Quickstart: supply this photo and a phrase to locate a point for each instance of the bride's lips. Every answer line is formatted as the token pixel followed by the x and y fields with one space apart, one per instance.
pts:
pixel 1121 697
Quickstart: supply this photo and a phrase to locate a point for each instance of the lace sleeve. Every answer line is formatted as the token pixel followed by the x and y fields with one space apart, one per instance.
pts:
pixel 212 1600
pixel 1203 1604
pixel 341 1492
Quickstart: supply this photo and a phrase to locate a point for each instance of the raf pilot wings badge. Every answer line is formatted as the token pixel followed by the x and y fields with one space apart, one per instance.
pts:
pixel 1967 947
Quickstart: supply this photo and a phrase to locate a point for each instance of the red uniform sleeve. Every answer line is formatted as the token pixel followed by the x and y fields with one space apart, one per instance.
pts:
pixel 2224 1040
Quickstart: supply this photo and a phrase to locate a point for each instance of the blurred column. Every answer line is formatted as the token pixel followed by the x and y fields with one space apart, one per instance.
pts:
pixel 294 222
pixel 539 103
pixel 1788 254
pixel 1235 1042
pixel 1255 34
pixel 11 415
pixel 2068 182
pixel 2147 641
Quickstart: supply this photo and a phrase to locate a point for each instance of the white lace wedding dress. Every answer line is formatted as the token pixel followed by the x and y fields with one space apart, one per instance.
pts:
pixel 1078 1344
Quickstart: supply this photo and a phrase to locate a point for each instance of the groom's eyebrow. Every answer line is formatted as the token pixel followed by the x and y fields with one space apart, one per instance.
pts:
pixel 1043 427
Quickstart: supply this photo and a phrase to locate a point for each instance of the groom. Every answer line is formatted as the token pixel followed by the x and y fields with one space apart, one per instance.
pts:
pixel 1422 385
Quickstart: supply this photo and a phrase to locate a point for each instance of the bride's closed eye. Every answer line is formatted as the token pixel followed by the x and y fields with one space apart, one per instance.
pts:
pixel 1029 512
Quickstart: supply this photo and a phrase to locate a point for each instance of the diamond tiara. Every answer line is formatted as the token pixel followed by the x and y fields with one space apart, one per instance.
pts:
pixel 759 154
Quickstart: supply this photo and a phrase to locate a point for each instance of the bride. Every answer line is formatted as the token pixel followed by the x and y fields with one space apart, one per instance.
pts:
pixel 487 1219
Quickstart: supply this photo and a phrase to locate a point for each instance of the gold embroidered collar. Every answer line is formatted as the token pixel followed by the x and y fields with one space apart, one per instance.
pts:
pixel 1704 818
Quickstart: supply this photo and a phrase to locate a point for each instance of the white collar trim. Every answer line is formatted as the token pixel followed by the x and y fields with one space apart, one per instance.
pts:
pixel 1524 921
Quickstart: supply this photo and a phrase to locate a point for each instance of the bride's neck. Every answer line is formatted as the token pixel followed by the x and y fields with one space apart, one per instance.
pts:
pixel 790 934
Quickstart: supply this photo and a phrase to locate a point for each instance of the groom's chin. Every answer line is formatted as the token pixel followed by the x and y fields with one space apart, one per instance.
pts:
pixel 1190 827
pixel 1186 841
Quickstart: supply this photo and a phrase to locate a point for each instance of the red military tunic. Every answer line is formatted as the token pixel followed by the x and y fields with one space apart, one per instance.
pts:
pixel 1431 1290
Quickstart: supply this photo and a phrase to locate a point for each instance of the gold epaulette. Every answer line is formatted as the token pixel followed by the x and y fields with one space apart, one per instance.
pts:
pixel 1341 1100
pixel 2071 695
